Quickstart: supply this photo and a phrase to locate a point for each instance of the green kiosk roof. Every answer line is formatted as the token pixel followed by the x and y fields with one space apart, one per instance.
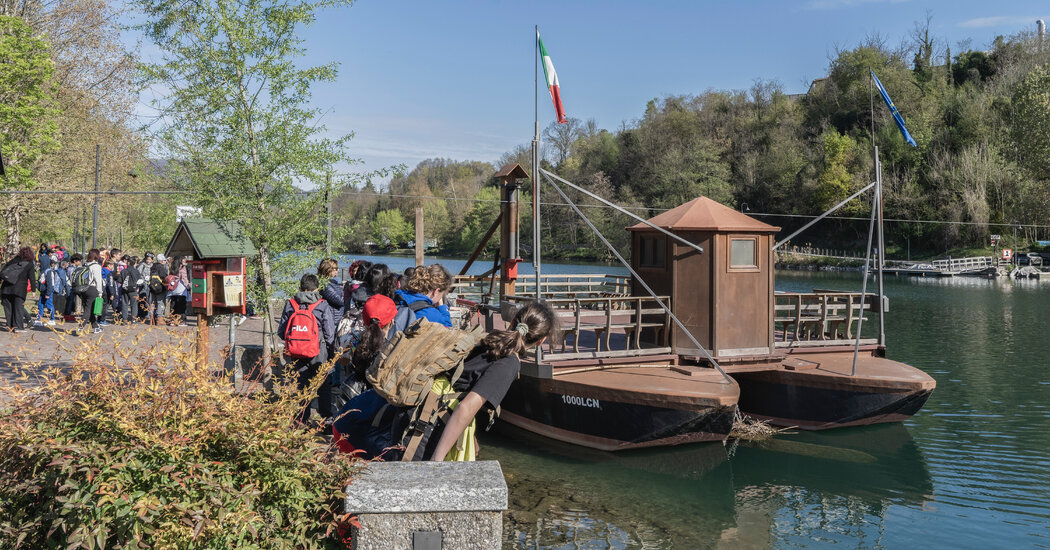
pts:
pixel 205 239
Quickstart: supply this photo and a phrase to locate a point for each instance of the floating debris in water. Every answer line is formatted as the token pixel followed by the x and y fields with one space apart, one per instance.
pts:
pixel 750 429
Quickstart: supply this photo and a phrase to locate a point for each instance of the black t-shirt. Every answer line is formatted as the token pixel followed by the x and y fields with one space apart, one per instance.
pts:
pixel 489 379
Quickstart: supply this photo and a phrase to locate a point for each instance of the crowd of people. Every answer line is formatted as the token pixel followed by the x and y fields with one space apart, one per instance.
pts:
pixel 102 286
pixel 347 321
pixel 355 319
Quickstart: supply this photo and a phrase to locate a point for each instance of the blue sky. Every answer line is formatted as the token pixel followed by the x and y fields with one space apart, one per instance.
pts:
pixel 454 79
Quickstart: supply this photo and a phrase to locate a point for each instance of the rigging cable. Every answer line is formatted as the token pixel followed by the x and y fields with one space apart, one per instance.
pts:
pixel 638 278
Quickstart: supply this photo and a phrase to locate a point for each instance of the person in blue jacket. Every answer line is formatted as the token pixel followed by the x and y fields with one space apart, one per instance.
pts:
pixel 423 296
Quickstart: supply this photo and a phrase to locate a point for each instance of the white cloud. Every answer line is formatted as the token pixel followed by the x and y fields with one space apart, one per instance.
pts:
pixel 836 4
pixel 998 21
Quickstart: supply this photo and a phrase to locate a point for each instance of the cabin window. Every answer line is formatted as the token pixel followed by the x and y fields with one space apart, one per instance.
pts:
pixel 652 250
pixel 743 253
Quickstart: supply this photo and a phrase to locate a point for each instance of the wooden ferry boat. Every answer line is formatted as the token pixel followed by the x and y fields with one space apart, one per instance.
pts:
pixel 630 373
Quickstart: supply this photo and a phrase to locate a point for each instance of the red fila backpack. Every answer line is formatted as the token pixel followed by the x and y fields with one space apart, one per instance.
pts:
pixel 301 337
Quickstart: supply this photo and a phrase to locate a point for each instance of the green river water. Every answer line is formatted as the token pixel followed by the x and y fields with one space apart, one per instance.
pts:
pixel 970 470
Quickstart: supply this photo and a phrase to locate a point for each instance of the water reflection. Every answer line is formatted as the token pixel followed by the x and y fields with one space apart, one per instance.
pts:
pixel 797 487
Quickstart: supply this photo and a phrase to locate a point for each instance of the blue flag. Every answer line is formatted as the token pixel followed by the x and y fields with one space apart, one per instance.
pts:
pixel 893 109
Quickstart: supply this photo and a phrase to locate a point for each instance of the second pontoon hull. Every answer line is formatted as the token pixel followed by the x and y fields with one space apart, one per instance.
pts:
pixel 829 396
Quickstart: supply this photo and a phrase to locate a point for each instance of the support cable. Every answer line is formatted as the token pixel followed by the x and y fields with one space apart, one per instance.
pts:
pixel 617 207
pixel 638 278
pixel 825 214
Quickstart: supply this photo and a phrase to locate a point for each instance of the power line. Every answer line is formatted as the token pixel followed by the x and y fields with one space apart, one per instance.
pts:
pixel 658 210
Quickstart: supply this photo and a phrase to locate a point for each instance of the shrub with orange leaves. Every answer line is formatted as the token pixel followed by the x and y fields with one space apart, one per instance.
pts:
pixel 136 447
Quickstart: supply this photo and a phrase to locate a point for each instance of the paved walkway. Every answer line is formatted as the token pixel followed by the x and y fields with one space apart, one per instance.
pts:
pixel 54 346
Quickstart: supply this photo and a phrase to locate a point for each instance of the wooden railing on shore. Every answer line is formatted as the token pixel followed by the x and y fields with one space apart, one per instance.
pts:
pixel 820 318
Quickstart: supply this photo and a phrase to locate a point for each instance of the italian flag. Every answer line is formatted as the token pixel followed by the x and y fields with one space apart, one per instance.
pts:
pixel 552 80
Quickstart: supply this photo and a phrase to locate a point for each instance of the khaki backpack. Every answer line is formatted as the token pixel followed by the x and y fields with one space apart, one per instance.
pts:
pixel 404 370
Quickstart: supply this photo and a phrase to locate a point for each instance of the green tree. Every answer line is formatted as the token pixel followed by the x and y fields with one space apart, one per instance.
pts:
pixel 28 130
pixel 1030 123
pixel 236 113
pixel 835 181
pixel 390 228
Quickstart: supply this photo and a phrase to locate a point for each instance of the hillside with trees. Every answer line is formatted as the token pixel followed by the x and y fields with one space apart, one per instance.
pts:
pixel 981 119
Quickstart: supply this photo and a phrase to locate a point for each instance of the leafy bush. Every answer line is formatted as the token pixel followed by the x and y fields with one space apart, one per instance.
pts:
pixel 136 447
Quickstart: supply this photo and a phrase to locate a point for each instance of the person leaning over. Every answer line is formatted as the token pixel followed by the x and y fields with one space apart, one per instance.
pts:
pixel 17 276
pixel 488 372
pixel 307 328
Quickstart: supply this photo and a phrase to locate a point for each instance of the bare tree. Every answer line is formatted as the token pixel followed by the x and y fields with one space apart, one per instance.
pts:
pixel 560 138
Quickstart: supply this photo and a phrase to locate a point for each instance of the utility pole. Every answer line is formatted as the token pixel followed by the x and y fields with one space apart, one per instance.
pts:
pixel 328 203
pixel 94 208
pixel 419 236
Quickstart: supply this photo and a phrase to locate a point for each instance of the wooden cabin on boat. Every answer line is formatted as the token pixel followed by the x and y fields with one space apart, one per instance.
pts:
pixel 724 296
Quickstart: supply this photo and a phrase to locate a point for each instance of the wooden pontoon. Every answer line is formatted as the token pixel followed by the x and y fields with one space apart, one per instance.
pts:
pixel 623 375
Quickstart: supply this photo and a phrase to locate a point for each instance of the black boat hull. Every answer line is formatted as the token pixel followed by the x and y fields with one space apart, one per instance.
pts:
pixel 787 399
pixel 564 413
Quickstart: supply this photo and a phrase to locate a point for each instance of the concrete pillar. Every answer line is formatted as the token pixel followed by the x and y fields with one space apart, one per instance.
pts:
pixel 428 506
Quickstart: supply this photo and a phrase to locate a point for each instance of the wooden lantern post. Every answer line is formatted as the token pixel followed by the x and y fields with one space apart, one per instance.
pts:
pixel 510 186
pixel 202 339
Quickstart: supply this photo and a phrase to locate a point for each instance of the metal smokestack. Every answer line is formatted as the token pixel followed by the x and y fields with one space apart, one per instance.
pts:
pixel 1041 31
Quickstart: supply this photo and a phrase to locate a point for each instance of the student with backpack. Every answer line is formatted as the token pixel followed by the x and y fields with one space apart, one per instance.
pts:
pixel 75 261
pixel 355 428
pixel 328 275
pixel 50 285
pixel 88 287
pixel 308 329
pixel 178 284
pixel 158 291
pixel 131 282
pixel 16 278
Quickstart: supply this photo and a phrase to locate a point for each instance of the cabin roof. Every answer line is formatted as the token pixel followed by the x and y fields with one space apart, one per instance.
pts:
pixel 704 214
pixel 205 239
pixel 513 171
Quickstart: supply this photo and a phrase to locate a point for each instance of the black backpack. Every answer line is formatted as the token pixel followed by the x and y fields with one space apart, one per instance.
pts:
pixel 156 279
pixel 130 279
pixel 11 272
pixel 80 280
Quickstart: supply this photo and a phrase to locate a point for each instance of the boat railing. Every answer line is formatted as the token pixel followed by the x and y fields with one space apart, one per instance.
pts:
pixel 820 318
pixel 590 326
pixel 553 286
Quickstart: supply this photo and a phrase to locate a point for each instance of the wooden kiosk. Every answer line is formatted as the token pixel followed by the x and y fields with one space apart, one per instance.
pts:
pixel 217 271
pixel 724 295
